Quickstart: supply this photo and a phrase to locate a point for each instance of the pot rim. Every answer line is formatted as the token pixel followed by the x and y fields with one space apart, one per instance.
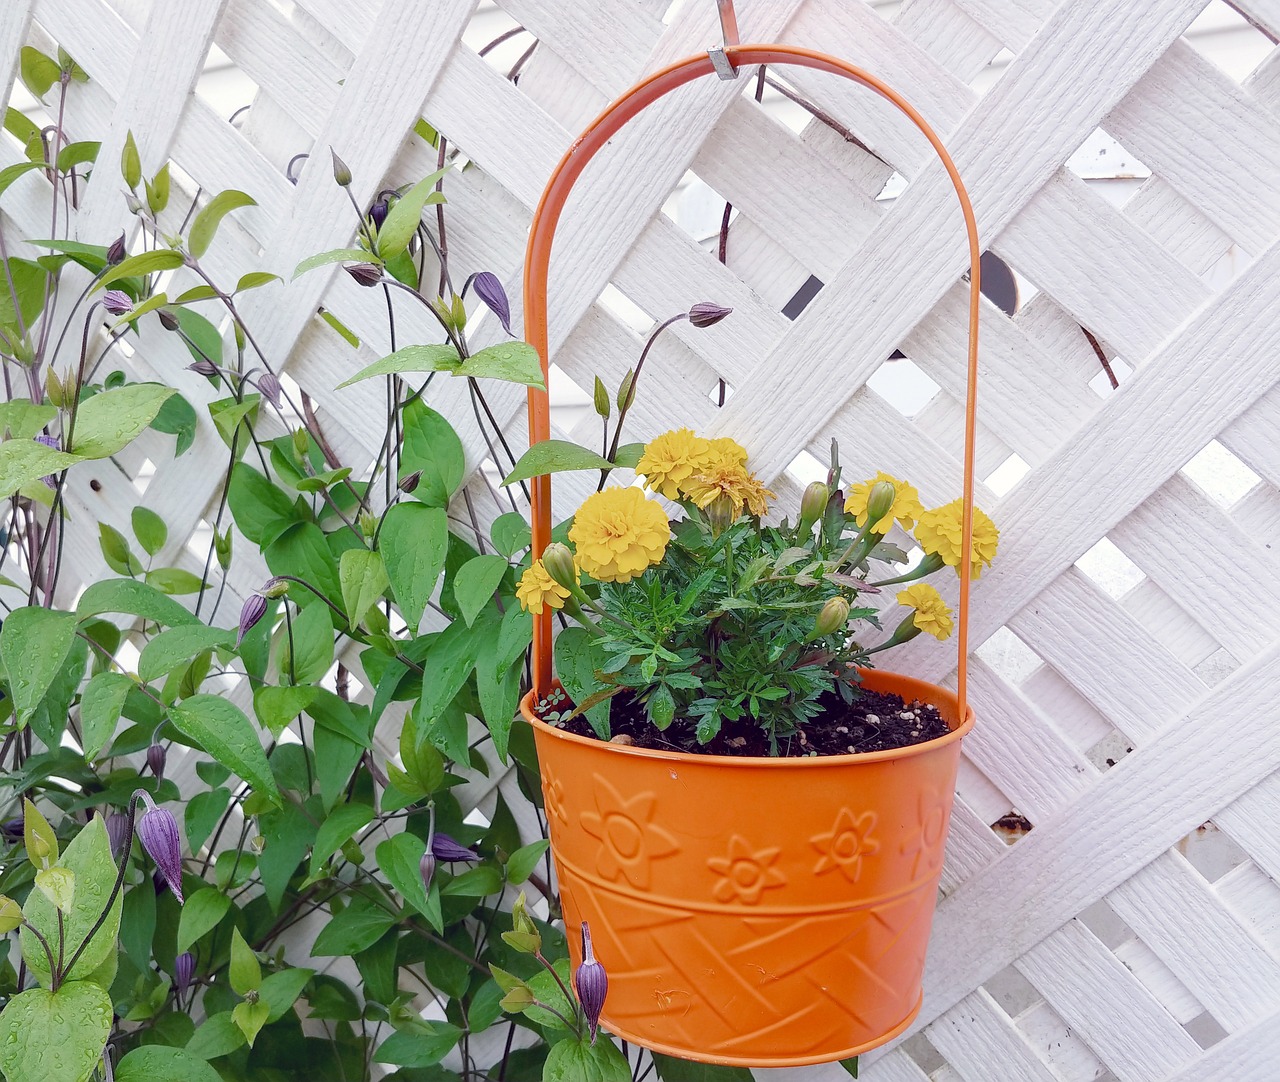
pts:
pixel 774 763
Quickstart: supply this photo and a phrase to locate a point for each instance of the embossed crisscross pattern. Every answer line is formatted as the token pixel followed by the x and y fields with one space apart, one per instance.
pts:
pixel 1123 717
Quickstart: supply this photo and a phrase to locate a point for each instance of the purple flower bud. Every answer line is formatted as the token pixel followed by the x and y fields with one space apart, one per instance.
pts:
pixel 117 302
pixel 367 274
pixel 445 848
pixel 12 828
pixel 184 968
pixel 116 253
pixel 378 213
pixel 55 444
pixel 341 173
pixel 203 368
pixel 427 869
pixel 155 761
pixel 706 314
pixel 489 289
pixel 168 320
pixel 269 385
pixel 591 983
pixel 158 831
pixel 410 481
pixel 118 832
pixel 253 610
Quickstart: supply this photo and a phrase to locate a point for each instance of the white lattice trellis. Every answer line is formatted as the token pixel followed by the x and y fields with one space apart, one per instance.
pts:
pixel 1108 941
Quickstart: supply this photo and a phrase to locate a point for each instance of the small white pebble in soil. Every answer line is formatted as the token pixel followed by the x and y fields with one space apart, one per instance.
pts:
pixel 852 748
pixel 873 719
pixel 842 728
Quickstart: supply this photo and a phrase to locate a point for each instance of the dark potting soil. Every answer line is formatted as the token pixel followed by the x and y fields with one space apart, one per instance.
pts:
pixel 874 721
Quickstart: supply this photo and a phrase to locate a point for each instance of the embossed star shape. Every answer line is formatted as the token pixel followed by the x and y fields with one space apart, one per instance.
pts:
pixel 629 839
pixel 746 874
pixel 846 845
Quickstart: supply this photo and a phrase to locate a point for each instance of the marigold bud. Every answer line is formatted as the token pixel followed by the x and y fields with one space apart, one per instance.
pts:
pixel 832 618
pixel 813 505
pixel 253 610
pixel 880 501
pixel 720 514
pixel 367 274
pixel 706 314
pixel 591 983
pixel 558 560
pixel 117 302
pixel 116 253
pixel 158 832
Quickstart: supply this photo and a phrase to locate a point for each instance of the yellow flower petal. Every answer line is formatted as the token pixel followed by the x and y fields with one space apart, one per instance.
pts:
pixel 940 531
pixel 932 615
pixel 672 458
pixel 537 589
pixel 618 533
pixel 906 503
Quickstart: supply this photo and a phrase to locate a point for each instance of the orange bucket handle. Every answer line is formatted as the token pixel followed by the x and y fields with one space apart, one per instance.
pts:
pixel 538 259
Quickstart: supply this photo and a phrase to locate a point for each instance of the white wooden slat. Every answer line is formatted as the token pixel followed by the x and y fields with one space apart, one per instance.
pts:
pixel 1092 989
pixel 1251 820
pixel 1249 1055
pixel 1254 896
pixel 981 1043
pixel 955 40
pixel 1210 949
pixel 1127 819
pixel 13 28
pixel 1251 437
pixel 897 1066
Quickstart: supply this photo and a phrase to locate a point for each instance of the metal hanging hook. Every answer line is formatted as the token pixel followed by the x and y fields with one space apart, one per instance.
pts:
pixel 728 38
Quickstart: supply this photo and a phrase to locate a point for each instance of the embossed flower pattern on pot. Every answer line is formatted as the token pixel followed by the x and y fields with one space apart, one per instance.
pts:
pixel 629 839
pixel 846 844
pixel 553 798
pixel 745 873
pixel 929 843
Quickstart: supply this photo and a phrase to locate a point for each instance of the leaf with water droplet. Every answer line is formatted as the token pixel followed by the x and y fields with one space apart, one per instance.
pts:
pixel 55 1036
pixel 514 362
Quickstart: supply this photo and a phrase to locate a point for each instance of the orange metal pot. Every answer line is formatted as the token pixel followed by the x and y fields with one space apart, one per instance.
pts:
pixel 757 912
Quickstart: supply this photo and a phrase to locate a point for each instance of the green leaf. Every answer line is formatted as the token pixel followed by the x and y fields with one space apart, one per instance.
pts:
pixel 255 279
pixel 290 832
pixel 222 729
pixel 13 172
pixel 217 1036
pixel 628 455
pixel 110 421
pixel 363 579
pixel 250 1017
pixel 37 71
pixel 24 462
pixel 130 162
pixel 334 255
pixel 424 1044
pixel 177 418
pixel 55 1036
pixel 335 832
pixel 39 836
pixel 149 529
pixel 343 331
pixel 432 446
pixel 302 551
pixel 428 358
pixel 450 659
pixel 572 1060
pixel 201 913
pixel 405 216
pixel 671 1069
pixel 208 220
pixel 171 648
pixel 498 689
pixel 34 643
pixel 475 583
pixel 575 659
pixel 311 655
pixel 554 456
pixel 280 990
pixel 23 419
pixel 202 339
pixel 399 860
pixel 156 300
pixel 413 542
pixel 58 885
pixel 89 858
pixel 850 1065
pixel 356 928
pixel 135 266
pixel 160 1063
pixel 514 362
pixel 173 580
pixel 202 814
pixel 116 551
pixel 523 861
pixel 245 972
pixel 134 598
pixel 261 510
pixel 276 707
pixel 74 154
pixel 477 882
pixel 229 413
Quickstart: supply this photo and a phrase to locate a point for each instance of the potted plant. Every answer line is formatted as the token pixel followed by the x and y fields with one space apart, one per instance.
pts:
pixel 768 903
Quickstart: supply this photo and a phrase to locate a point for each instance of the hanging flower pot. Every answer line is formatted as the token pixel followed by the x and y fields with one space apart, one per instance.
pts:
pixel 750 910
pixel 754 911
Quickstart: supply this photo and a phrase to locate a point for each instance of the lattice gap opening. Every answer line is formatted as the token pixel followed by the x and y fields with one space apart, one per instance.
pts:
pixel 1220 475
pixel 920 1050
pixel 1102 158
pixel 1004 477
pixel 1110 569
pixel 1159 980
pixel 1012 827
pixel 1216 667
pixel 1205 1030
pixel 987 76
pixel 223 83
pixel 1101 384
pixel 1228 40
pixel 903 384
pixel 697 208
pixel 1012 991
pixel 1109 750
pixel 1104 923
pixel 1008 656
pixel 499 40
pixel 142 480
pixel 1212 852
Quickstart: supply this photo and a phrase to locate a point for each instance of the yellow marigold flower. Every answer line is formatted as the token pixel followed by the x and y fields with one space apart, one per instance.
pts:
pixel 536 589
pixel 671 459
pixel 906 503
pixel 939 531
pixel 734 483
pixel 618 533
pixel 725 449
pixel 932 614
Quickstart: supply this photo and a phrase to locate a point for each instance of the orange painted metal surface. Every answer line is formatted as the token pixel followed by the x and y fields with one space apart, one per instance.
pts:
pixel 538 260
pixel 759 912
